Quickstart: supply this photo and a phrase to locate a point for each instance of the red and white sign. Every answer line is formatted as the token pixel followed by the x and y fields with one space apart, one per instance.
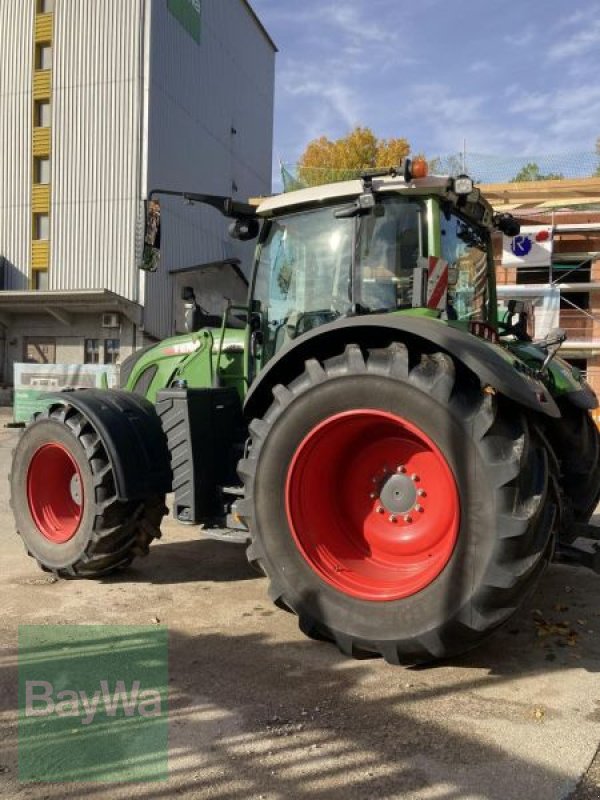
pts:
pixel 531 248
pixel 437 283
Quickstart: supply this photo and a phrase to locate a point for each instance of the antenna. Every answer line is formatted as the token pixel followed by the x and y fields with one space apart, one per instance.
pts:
pixel 464 156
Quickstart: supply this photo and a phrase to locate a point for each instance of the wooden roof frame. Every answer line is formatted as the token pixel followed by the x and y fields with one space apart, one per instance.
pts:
pixel 542 194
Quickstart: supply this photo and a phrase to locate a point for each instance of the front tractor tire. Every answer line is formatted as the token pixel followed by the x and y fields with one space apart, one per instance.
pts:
pixel 397 508
pixel 575 440
pixel 64 499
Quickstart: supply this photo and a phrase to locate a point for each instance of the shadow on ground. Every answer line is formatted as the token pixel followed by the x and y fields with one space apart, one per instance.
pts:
pixel 251 716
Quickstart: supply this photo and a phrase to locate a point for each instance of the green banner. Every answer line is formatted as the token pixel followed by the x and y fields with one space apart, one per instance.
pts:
pixel 93 703
pixel 36 384
pixel 189 15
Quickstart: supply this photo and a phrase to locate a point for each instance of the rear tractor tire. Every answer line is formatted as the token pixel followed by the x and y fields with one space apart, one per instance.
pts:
pixel 64 500
pixel 397 508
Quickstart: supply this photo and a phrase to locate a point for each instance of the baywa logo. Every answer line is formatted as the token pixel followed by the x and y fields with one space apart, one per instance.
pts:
pixel 41 701
pixel 93 703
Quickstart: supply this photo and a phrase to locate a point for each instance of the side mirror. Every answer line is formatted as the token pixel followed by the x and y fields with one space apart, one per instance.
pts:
pixel 244 229
pixel 151 250
pixel 507 224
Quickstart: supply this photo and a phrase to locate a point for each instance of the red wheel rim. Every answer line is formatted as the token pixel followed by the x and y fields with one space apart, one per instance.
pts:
pixel 372 505
pixel 55 492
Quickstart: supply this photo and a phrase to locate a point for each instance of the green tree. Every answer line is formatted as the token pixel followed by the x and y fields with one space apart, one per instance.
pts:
pixel 325 160
pixel 531 172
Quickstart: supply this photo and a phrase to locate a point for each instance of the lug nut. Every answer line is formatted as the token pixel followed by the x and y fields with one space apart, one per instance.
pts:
pixel 421 492
pixel 380 509
pixel 393 518
pixel 407 518
pixel 373 495
pixel 401 468
pixel 414 477
pixel 418 507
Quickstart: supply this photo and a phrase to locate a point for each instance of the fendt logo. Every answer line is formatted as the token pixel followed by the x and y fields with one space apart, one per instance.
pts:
pixel 42 701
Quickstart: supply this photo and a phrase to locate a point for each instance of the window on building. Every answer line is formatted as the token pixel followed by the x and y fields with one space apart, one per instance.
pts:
pixel 40 280
pixel 39 350
pixel 42 114
pixel 41 226
pixel 45 6
pixel 41 170
pixel 91 351
pixel 112 350
pixel 43 56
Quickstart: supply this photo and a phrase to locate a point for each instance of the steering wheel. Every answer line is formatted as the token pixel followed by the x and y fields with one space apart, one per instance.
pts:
pixel 308 320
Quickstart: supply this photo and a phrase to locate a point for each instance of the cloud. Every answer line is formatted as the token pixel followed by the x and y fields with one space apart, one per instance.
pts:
pixel 580 43
pixel 521 39
pixel 563 120
pixel 480 66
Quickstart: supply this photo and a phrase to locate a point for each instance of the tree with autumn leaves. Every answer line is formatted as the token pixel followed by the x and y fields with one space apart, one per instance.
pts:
pixel 326 161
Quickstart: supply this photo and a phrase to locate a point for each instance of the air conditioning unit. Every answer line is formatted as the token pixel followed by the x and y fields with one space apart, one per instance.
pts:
pixel 110 320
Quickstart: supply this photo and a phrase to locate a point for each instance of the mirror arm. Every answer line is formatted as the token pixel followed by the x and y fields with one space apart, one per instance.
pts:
pixel 226 205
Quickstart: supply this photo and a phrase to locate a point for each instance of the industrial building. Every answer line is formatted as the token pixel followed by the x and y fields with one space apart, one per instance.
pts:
pixel 568 210
pixel 101 102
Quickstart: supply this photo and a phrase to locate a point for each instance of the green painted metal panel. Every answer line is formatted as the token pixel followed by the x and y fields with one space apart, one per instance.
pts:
pixel 189 15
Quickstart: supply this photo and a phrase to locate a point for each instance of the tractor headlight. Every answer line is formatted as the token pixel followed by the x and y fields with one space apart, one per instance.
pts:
pixel 463 185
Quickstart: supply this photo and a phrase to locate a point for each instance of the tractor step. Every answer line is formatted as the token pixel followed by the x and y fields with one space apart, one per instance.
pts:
pixel 226 535
pixel 236 491
pixel 583 552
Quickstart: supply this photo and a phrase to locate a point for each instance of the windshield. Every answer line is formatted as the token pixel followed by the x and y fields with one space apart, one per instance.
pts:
pixel 315 267
pixel 389 243
pixel 304 275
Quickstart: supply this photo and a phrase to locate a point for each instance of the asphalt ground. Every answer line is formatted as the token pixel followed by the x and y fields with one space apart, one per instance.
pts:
pixel 258 711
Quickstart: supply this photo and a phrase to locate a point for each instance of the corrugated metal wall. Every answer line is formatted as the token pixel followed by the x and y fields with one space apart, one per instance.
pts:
pixel 205 111
pixel 16 24
pixel 210 130
pixel 96 152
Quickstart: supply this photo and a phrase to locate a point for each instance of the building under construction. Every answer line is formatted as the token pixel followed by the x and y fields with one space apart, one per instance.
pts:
pixel 570 211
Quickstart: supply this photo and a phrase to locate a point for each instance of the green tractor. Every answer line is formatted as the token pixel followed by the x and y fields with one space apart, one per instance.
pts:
pixel 401 464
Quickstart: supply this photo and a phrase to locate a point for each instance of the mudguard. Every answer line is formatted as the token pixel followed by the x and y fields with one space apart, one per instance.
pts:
pixel 132 435
pixel 563 381
pixel 492 364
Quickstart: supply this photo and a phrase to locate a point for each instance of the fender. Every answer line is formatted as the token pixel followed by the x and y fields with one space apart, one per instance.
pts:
pixel 492 364
pixel 132 434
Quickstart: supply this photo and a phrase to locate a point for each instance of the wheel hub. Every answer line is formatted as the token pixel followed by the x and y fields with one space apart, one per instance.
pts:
pixel 75 489
pixel 398 495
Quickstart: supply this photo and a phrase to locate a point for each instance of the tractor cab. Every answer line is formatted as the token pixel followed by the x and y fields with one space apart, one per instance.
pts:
pixel 386 243
pixel 390 242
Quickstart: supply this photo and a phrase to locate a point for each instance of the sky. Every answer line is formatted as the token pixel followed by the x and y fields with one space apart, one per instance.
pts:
pixel 512 78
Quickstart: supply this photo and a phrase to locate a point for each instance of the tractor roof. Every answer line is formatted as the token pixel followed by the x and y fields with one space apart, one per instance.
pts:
pixel 473 205
pixel 329 192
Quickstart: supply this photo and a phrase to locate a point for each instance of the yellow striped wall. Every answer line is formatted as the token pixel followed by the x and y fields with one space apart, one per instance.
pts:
pixel 43 30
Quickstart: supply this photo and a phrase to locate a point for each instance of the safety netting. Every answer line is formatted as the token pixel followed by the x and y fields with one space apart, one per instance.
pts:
pixel 482 167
